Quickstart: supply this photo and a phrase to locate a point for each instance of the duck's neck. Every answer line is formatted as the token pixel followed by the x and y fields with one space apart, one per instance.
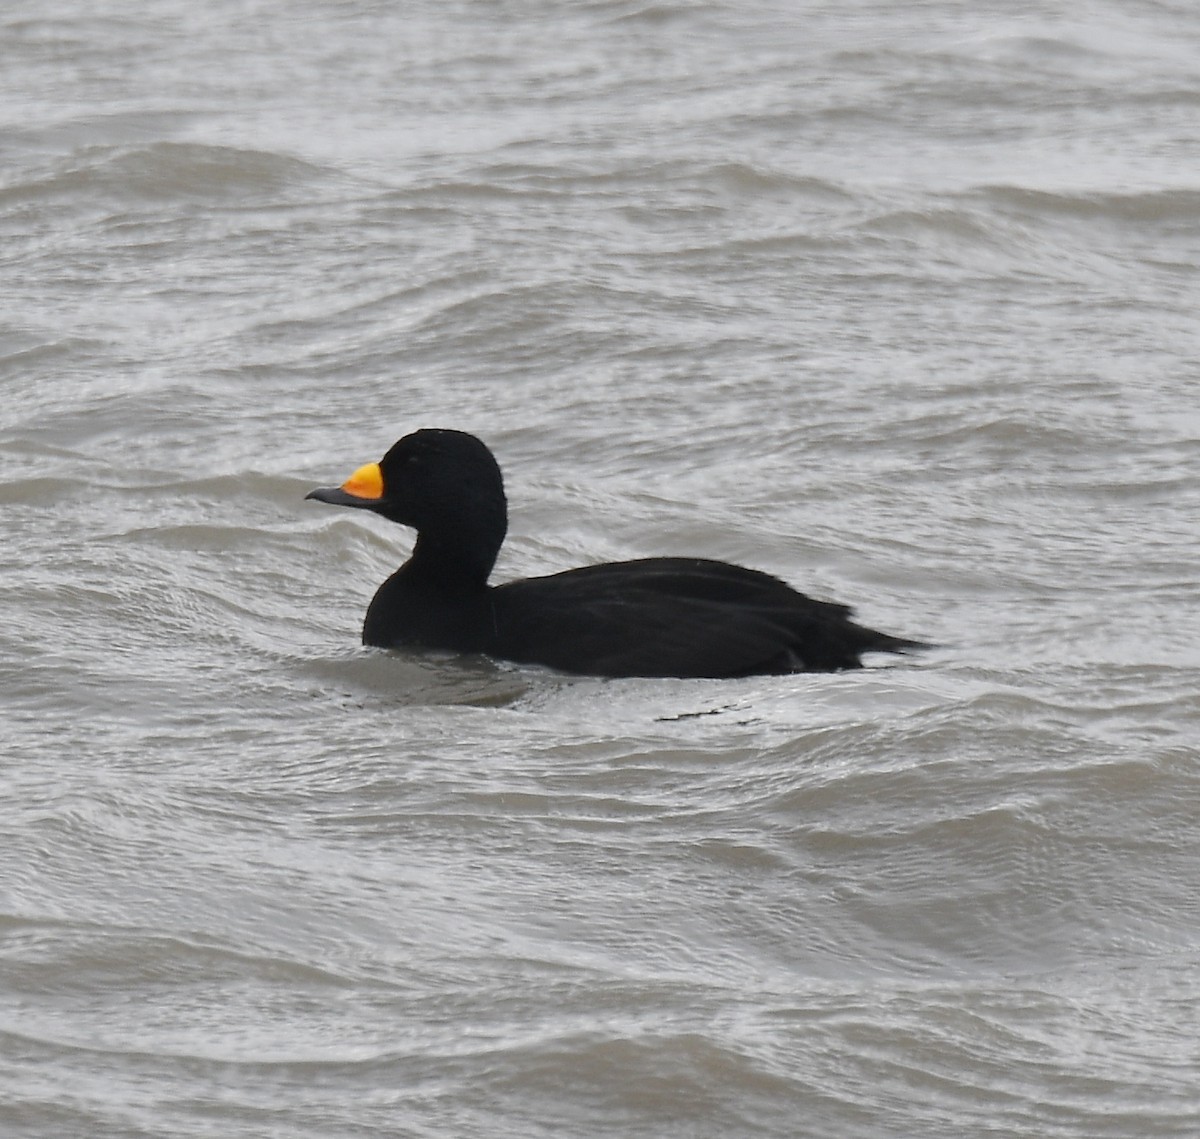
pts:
pixel 452 562
pixel 438 599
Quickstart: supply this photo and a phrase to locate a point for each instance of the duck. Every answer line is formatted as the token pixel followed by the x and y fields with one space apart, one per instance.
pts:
pixel 680 617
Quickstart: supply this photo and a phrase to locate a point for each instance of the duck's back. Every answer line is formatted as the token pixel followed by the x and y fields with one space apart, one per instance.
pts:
pixel 686 617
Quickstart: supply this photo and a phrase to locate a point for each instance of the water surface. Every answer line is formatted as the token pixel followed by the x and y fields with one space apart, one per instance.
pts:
pixel 895 301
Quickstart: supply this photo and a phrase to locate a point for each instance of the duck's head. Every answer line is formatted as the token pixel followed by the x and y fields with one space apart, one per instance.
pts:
pixel 445 484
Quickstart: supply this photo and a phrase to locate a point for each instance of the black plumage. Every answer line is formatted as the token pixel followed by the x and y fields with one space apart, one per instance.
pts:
pixel 652 617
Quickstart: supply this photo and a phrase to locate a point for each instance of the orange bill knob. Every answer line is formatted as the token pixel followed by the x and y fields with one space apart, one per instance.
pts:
pixel 366 482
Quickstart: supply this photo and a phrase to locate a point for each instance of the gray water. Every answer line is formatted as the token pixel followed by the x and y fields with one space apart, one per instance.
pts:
pixel 896 301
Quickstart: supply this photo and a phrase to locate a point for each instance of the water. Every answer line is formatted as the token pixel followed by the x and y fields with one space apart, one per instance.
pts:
pixel 896 301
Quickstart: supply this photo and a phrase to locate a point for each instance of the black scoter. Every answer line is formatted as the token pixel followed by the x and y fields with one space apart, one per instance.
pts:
pixel 681 617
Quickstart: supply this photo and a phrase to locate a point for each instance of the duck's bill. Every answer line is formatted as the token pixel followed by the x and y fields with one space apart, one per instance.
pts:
pixel 337 496
pixel 363 488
